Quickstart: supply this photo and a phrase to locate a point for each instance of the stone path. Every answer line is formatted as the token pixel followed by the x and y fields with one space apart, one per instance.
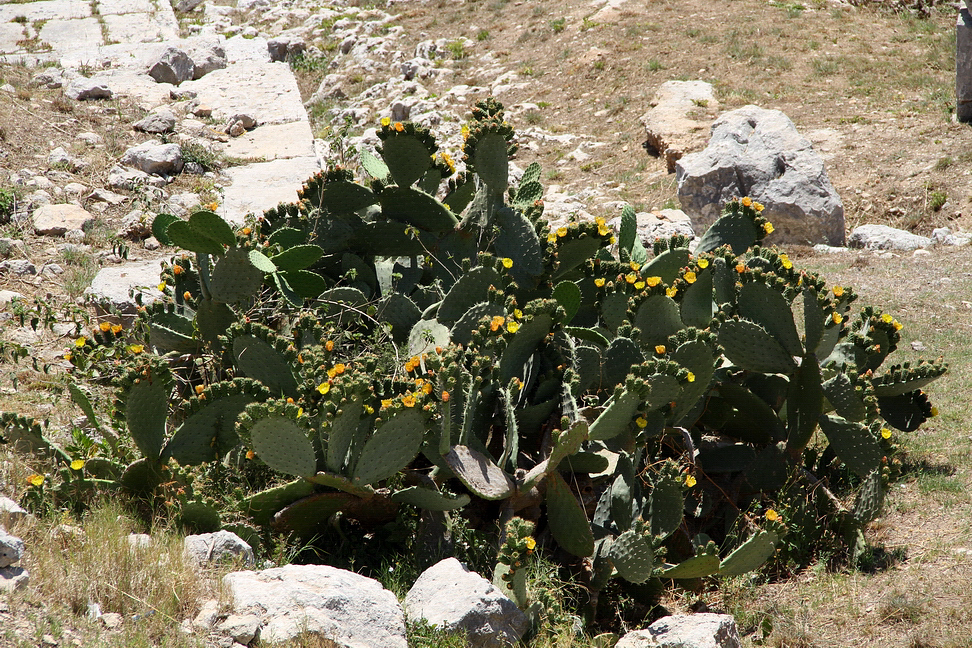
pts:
pixel 121 38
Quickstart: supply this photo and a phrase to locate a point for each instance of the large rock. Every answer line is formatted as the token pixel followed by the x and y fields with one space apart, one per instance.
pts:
pixel 56 220
pixel 217 547
pixel 759 153
pixel 10 511
pixel 154 157
pixel 882 237
pixel 350 609
pixel 115 285
pixel 173 66
pixel 448 595
pixel 11 549
pixel 207 55
pixel 679 120
pixel 686 631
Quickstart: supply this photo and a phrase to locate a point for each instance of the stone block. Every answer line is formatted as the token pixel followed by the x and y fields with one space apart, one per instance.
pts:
pixel 963 64
pixel 273 142
pixel 278 181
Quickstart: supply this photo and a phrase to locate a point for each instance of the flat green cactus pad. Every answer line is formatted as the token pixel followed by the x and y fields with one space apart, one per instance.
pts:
pixel 430 500
pixel 390 448
pixel 633 557
pixel 209 433
pixel 262 506
pixel 258 360
pixel 854 444
pixel 283 445
pixel 749 555
pixel 695 567
pixel 750 346
pixel 146 408
pixel 765 306
pixel 567 520
pixel 471 289
pixel 666 507
pixel 235 278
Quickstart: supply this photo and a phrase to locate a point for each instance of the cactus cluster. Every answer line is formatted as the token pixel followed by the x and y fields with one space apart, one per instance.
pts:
pixel 422 337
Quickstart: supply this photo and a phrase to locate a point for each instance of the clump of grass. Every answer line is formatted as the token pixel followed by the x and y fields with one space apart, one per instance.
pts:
pixel 558 25
pixel 482 35
pixel 898 607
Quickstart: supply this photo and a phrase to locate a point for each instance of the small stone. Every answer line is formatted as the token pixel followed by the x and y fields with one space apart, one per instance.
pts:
pixel 160 120
pixel 135 226
pixel 217 547
pixel 51 269
pixel 151 243
pixel 241 627
pixel 48 640
pixel 56 220
pixel 917 346
pixel 74 188
pixel 7 296
pixel 91 139
pixel 921 253
pixel 11 549
pixel 110 197
pixel 140 541
pixel 205 620
pixel 19 267
pixel 13 579
pixel 703 630
pixel 154 158
pixel 112 620
pixel 236 129
pixel 75 236
pixel 60 157
pixel 10 511
pixel 84 89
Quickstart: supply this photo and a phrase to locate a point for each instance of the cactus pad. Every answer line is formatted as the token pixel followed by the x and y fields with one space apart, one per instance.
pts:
pixel 666 506
pixel 567 520
pixel 749 555
pixel 870 499
pixel 257 359
pixel 146 408
pixel 430 500
pixel 633 557
pixel 472 288
pixel 407 158
pixel 804 404
pixel 751 347
pixel 210 433
pixel 261 506
pixel 390 448
pixel 695 567
pixel 235 278
pixel 734 229
pixel 415 207
pixel 844 397
pixel 765 306
pixel 854 444
pixel 479 473
pixel 283 445
pixel 657 317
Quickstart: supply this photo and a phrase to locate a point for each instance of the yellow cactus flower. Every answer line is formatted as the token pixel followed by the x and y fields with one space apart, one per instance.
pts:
pixel 603 230
pixel 339 368
pixel 768 228
pixel 246 231
pixel 408 400
pixel 300 412
pixel 369 409
pixel 465 132
pixel 838 291
pixel 690 277
pixel 639 285
pixel 136 348
pixel 758 206
pixel 671 292
pixel 599 282
pixel 897 325
pixel 690 377
pixel 77 464
pixel 161 287
pixel 772 515
pixel 116 329
pixel 399 127
pixel 885 433
pixel 703 263
pixel 599 221
pixel 641 422
pixel 36 480
pixel 690 481
pixel 386 403
pixel 80 341
pixel 517 313
pixel 324 387
pixel 551 237
pixel 631 277
pixel 837 318
pixel 747 202
pixel 513 327
pixel 385 121
pixel 200 388
pixel 612 240
pixel 449 163
pixel 427 388
pixel 530 543
pixel 785 260
pixel 934 411
pixel 497 321
pixel 660 349
pixel 561 232
pixel 445 397
pixel 635 266
pixel 105 327
pixel 67 356
pixel 886 318
pixel 507 263
pixel 652 281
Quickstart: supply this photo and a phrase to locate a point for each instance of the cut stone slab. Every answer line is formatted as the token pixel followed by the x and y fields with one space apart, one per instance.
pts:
pixel 67 36
pixel 113 7
pixel 273 142
pixel 56 220
pixel 679 120
pixel 882 237
pixel 350 609
pixel 142 28
pixel 45 10
pixel 278 182
pixel 450 596
pixel 206 548
pixel 136 84
pixel 686 631
pixel 267 91
pixel 13 579
pixel 759 153
pixel 10 34
pixel 114 283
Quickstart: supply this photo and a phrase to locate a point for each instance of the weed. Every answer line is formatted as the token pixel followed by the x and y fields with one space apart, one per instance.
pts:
pixel 533 117
pixel 9 197
pixel 599 64
pixel 825 66
pixel 558 25
pixel 943 163
pixel 899 607
pixel 457 49
pixel 482 35
pixel 654 65
pixel 936 199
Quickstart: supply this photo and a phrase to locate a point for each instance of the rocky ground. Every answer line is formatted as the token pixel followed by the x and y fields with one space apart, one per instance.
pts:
pixel 257 95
